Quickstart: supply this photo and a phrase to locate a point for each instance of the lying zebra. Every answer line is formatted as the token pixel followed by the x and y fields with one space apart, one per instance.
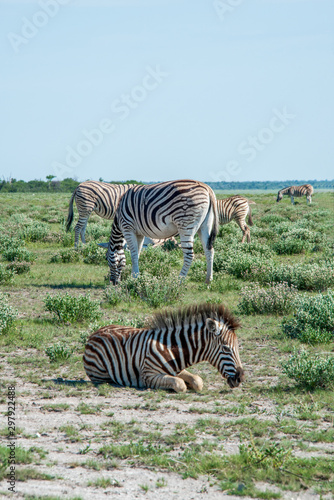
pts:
pixel 296 191
pixel 236 208
pixel 158 356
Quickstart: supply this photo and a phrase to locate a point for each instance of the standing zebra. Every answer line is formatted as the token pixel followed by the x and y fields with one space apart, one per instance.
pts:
pixel 100 197
pixel 236 208
pixel 159 211
pixel 296 191
pixel 158 356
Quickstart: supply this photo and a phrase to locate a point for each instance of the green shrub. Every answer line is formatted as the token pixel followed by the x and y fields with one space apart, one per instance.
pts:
pixel 197 270
pixel 310 370
pixel 18 253
pixel 170 245
pixel 66 256
pixel 68 308
pixel 313 320
pixel 27 228
pixel 7 314
pixel 290 246
pixel 7 242
pixel 275 299
pixel 19 267
pixel 303 276
pixel 158 262
pixel 242 265
pixel 62 237
pixel 297 240
pixel 58 352
pixel 93 254
pixel 98 230
pixel 6 275
pixel 262 232
pixel 272 219
pixel 35 231
pixel 282 227
pixel 117 294
pixel 155 291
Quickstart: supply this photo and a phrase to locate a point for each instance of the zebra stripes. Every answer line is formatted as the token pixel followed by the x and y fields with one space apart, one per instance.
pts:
pixel 158 356
pixel 159 211
pixel 236 208
pixel 296 191
pixel 100 197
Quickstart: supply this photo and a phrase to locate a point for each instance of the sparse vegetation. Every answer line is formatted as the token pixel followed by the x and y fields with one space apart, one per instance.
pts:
pixel 69 308
pixel 58 352
pixel 275 299
pixel 310 370
pixel 7 314
pixel 313 320
pixel 245 441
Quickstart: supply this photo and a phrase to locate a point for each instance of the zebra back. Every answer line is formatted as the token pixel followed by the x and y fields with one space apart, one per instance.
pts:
pixel 234 207
pixel 147 207
pixel 101 197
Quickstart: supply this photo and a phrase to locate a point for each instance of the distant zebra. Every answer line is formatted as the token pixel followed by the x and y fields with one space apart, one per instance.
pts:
pixel 158 356
pixel 236 208
pixel 159 211
pixel 100 197
pixel 296 191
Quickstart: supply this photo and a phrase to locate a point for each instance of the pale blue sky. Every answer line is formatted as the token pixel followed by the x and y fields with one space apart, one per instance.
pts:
pixel 210 90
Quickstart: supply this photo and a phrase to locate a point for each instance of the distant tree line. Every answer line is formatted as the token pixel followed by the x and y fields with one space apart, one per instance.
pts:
pixel 68 185
pixel 270 185
pixel 49 186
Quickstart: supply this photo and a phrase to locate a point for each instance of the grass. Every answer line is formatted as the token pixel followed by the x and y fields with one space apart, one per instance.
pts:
pixel 268 421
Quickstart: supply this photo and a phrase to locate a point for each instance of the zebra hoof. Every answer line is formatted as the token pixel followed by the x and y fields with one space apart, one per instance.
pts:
pixel 196 383
pixel 179 385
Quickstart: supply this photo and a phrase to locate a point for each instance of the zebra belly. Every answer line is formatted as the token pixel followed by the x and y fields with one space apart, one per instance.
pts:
pixel 163 231
pixel 112 367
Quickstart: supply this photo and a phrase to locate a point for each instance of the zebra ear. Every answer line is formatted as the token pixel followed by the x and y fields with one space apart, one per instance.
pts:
pixel 212 326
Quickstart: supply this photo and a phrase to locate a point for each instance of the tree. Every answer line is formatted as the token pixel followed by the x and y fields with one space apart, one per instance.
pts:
pixel 49 178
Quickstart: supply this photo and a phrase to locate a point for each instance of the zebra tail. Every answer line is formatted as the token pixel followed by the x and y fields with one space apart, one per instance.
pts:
pixel 215 227
pixel 70 213
pixel 250 220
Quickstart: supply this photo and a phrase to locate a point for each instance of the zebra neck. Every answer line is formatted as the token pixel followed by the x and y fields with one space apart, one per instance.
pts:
pixel 116 240
pixel 181 346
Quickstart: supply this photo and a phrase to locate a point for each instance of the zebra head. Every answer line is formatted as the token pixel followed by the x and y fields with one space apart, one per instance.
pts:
pixel 225 351
pixel 116 260
pixel 279 196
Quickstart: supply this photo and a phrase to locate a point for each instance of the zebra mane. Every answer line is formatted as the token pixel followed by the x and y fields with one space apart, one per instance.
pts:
pixel 189 314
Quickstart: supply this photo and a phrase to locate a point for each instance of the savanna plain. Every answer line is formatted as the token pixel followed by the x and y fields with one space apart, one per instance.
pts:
pixel 272 437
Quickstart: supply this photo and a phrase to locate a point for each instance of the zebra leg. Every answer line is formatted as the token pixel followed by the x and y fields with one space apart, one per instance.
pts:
pixel 140 242
pixel 188 255
pixel 132 242
pixel 204 236
pixel 161 381
pixel 292 200
pixel 79 228
pixel 245 230
pixel 83 232
pixel 194 381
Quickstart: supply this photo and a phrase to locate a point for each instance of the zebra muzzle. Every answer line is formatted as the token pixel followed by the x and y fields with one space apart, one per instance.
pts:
pixel 236 380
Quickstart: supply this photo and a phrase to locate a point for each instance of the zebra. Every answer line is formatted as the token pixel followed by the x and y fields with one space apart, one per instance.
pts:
pixel 296 191
pixel 100 197
pixel 157 356
pixel 159 211
pixel 236 208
